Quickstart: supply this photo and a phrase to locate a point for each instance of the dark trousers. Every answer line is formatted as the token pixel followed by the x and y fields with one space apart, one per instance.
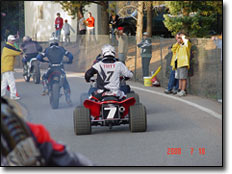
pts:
pixel 173 82
pixel 145 66
pixel 82 32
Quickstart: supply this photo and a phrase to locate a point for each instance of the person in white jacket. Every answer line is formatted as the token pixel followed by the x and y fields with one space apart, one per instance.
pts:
pixel 66 29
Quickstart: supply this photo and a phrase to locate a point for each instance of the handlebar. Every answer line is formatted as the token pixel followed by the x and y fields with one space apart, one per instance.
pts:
pixel 64 62
pixel 123 78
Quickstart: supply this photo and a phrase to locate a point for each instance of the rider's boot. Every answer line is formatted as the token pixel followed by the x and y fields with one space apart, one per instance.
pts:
pixel 45 88
pixel 67 97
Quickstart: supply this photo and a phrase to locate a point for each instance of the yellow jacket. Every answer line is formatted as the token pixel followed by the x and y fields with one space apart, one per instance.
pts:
pixel 9 52
pixel 174 50
pixel 183 54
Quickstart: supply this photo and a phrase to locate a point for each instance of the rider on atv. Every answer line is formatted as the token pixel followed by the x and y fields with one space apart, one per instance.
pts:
pixel 55 55
pixel 30 49
pixel 108 70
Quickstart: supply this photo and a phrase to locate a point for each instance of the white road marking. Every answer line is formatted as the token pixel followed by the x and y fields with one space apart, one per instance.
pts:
pixel 209 111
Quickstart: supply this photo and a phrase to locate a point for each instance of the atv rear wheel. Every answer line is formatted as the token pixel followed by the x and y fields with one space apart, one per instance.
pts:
pixel 82 122
pixel 138 118
pixel 134 95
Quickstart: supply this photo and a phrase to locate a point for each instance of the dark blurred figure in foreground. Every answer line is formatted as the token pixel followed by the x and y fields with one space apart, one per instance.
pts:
pixel 28 144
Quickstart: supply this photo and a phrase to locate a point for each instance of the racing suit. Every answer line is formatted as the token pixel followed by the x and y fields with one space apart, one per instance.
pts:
pixel 108 72
pixel 55 55
pixel 30 49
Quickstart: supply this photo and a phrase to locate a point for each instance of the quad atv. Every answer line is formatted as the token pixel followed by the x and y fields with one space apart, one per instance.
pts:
pixel 110 111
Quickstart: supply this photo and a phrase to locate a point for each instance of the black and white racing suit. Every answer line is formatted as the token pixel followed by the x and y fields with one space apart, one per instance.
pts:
pixel 108 72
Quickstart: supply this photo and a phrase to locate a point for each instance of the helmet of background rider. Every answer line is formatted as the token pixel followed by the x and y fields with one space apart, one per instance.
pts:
pixel 26 39
pixel 53 41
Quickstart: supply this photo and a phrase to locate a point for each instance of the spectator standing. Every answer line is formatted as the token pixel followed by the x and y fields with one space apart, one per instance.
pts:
pixel 146 53
pixel 122 44
pixel 90 22
pixel 183 62
pixel 58 25
pixel 66 29
pixel 82 28
pixel 218 43
pixel 173 83
pixel 9 52
pixel 114 20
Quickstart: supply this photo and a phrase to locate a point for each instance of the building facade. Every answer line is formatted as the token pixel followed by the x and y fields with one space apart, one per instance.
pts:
pixel 40 19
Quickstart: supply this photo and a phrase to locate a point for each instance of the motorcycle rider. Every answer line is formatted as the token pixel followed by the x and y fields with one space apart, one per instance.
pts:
pixel 108 71
pixel 55 55
pixel 30 49
pixel 28 144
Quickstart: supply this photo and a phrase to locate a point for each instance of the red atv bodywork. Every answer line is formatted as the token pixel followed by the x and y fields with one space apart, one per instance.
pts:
pixel 95 107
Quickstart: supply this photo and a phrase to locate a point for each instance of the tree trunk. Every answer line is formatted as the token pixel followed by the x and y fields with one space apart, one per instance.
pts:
pixel 104 19
pixel 149 18
pixel 77 29
pixel 139 30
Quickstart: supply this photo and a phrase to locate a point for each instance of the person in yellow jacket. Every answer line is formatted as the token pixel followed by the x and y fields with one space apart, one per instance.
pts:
pixel 173 83
pixel 182 63
pixel 9 52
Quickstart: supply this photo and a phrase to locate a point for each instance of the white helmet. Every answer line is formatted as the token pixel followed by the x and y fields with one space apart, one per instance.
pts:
pixel 54 41
pixel 108 50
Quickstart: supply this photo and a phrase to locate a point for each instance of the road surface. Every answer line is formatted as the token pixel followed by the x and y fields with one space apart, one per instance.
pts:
pixel 171 125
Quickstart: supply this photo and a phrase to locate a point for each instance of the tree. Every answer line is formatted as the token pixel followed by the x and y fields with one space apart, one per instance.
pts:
pixel 139 29
pixel 104 16
pixel 196 18
pixel 149 17
pixel 12 11
pixel 74 8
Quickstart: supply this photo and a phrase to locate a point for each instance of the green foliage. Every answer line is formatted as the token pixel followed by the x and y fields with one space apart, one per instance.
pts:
pixel 196 18
pixel 13 21
pixel 112 6
pixel 73 7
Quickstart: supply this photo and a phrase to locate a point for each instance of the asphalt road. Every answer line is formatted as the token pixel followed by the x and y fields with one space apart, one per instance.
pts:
pixel 171 124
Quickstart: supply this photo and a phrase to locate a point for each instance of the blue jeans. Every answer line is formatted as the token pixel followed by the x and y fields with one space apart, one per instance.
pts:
pixel 121 57
pixel 113 39
pixel 58 32
pixel 172 81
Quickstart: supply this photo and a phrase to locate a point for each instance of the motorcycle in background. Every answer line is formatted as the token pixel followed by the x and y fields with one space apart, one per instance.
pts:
pixel 32 69
pixel 55 83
